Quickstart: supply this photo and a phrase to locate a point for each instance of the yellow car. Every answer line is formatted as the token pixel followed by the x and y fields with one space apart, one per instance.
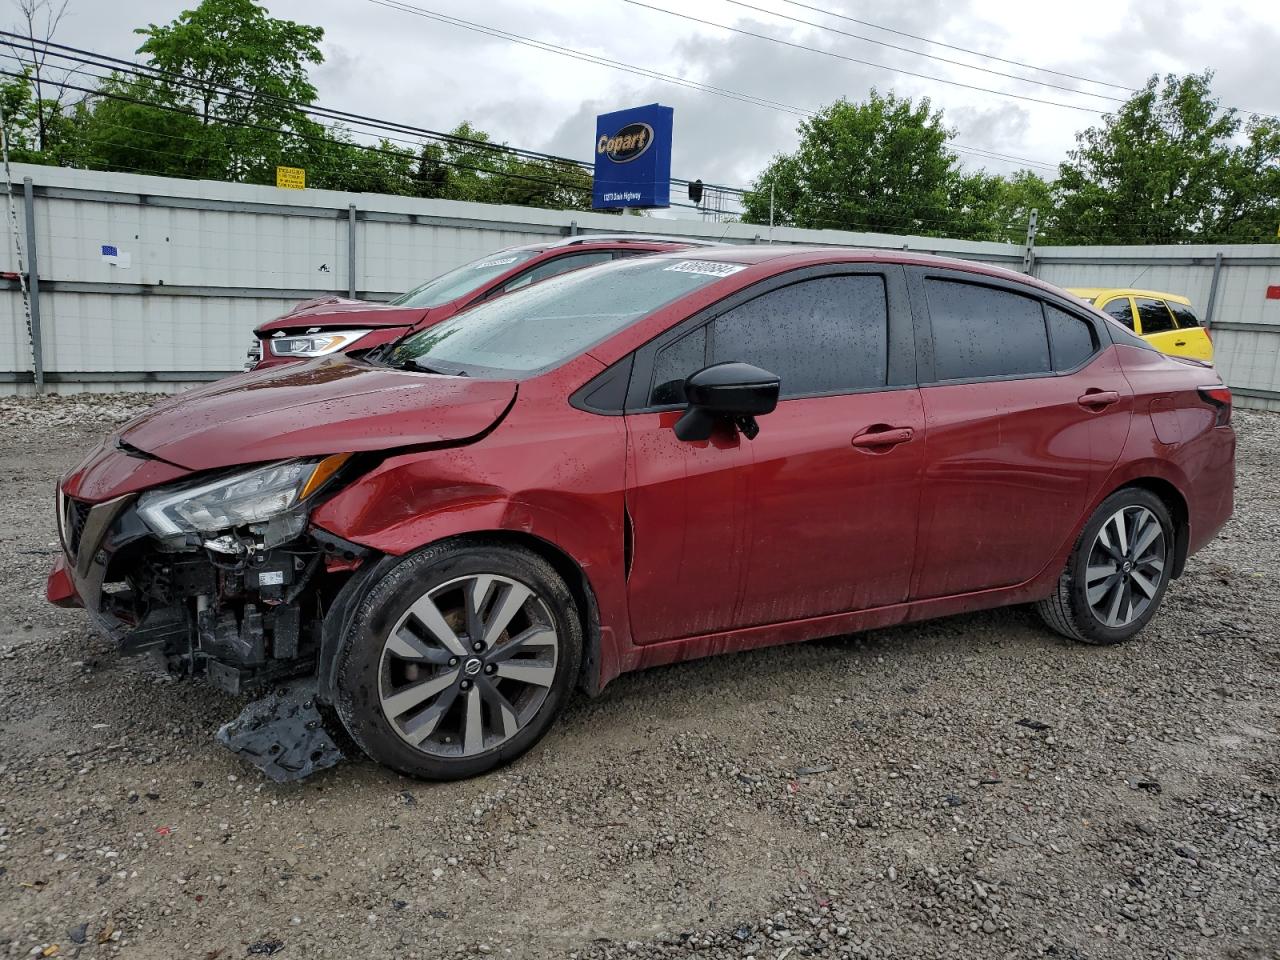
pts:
pixel 1165 320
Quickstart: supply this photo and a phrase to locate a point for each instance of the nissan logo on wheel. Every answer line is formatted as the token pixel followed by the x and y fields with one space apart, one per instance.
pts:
pixel 627 144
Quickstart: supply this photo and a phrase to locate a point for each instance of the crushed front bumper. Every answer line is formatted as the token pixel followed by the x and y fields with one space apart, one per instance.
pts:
pixel 281 734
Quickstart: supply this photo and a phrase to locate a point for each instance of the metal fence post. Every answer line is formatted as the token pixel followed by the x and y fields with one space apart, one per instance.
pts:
pixel 1213 291
pixel 33 285
pixel 1029 251
pixel 351 250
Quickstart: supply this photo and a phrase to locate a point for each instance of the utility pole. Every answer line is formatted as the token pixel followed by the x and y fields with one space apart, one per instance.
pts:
pixel 36 365
pixel 1029 251
pixel 771 211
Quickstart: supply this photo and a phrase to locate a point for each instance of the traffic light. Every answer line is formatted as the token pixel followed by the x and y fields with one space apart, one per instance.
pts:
pixel 695 191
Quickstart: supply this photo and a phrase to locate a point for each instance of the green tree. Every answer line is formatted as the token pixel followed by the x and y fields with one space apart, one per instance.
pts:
pixel 882 165
pixel 463 168
pixel 223 109
pixel 985 206
pixel 1169 167
pixel 38 131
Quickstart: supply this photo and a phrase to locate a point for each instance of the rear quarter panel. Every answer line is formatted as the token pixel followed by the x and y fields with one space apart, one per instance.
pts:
pixel 1173 438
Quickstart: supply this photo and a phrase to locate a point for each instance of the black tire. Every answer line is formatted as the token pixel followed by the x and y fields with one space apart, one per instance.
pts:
pixel 360 656
pixel 1068 610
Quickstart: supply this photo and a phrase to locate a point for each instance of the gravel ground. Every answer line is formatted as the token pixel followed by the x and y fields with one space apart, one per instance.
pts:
pixel 971 787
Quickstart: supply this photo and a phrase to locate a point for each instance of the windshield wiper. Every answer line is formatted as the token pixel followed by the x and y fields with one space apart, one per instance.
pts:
pixel 412 364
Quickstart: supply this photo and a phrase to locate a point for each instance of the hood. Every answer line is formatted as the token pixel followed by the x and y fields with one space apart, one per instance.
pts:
pixel 333 313
pixel 330 405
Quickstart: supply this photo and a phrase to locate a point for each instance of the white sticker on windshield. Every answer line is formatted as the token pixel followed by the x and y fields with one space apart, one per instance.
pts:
pixel 708 268
pixel 495 263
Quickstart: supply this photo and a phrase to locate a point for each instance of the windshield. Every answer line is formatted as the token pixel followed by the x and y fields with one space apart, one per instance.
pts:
pixel 462 280
pixel 545 324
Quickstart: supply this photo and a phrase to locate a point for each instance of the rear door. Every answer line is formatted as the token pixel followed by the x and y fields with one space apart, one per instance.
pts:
pixel 1173 328
pixel 1026 411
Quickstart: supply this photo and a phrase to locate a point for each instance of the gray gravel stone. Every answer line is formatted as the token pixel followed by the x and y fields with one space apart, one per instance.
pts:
pixel 668 819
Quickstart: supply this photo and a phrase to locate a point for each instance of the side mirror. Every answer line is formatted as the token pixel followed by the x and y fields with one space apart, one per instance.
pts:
pixel 732 391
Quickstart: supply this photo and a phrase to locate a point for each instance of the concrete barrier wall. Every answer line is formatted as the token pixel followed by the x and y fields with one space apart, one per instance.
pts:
pixel 150 283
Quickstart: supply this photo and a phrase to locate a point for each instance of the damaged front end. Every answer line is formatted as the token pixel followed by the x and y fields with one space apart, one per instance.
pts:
pixel 221 578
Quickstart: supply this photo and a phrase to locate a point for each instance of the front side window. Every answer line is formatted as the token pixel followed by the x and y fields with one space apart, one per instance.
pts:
pixel 981 331
pixel 673 365
pixel 462 280
pixel 547 323
pixel 1121 310
pixel 555 267
pixel 826 335
pixel 1154 316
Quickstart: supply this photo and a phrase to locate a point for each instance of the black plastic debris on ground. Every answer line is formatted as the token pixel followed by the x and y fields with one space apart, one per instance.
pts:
pixel 1035 725
pixel 282 735
pixel 265 948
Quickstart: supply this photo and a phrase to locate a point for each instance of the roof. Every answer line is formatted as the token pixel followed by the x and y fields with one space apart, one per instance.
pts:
pixel 802 256
pixel 1106 293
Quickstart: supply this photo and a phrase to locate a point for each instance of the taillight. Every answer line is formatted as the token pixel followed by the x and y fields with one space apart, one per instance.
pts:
pixel 1218 397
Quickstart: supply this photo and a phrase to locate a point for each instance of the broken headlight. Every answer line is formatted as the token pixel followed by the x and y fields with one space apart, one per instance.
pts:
pixel 241 499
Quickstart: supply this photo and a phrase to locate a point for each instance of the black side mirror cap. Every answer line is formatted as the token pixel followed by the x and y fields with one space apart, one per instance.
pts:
pixel 734 391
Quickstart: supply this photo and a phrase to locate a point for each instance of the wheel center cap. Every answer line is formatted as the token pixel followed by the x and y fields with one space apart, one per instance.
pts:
pixel 472 666
pixel 1128 565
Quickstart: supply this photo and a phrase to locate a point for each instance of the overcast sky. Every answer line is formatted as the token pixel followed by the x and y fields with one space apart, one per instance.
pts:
pixel 400 66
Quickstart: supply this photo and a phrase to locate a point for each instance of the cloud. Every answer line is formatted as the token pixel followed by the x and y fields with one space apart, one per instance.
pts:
pixel 393 65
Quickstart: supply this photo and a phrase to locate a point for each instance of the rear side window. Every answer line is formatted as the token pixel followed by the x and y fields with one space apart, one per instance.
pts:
pixel 559 265
pixel 1185 316
pixel 984 332
pixel 1071 340
pixel 1121 309
pixel 1154 316
pixel 825 335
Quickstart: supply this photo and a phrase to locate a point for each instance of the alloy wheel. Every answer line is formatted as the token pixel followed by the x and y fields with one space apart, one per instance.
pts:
pixel 468 665
pixel 1126 566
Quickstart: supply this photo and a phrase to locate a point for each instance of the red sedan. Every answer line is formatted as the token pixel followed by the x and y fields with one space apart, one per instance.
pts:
pixel 328 325
pixel 637 464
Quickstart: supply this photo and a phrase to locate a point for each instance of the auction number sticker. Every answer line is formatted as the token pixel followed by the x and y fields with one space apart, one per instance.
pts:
pixel 495 263
pixel 709 268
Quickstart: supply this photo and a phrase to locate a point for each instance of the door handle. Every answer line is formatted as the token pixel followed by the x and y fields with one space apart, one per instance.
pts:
pixel 882 439
pixel 1098 399
pixel 1179 343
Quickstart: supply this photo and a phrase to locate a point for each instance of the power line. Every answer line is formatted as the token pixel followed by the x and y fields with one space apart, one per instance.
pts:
pixel 587 57
pixel 374 125
pixel 802 112
pixel 977 53
pixel 98 92
pixel 951 46
pixel 921 53
pixel 866 63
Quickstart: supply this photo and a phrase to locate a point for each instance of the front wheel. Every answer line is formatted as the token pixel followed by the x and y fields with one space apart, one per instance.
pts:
pixel 459 660
pixel 1117 573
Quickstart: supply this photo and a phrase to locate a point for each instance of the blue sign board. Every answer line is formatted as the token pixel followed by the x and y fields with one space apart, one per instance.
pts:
pixel 633 158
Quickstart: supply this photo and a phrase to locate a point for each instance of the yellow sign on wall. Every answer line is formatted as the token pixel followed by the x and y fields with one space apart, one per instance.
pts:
pixel 291 178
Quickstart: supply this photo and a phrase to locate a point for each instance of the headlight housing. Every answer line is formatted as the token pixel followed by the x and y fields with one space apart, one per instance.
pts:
pixel 241 499
pixel 315 344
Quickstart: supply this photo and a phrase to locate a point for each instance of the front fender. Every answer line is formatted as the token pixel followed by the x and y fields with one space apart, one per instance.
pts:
pixel 567 492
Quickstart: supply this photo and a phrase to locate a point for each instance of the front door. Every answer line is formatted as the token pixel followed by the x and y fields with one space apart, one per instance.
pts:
pixel 827 493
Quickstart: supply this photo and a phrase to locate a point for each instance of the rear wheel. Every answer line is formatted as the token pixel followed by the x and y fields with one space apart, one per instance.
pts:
pixel 459 660
pixel 1117 573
